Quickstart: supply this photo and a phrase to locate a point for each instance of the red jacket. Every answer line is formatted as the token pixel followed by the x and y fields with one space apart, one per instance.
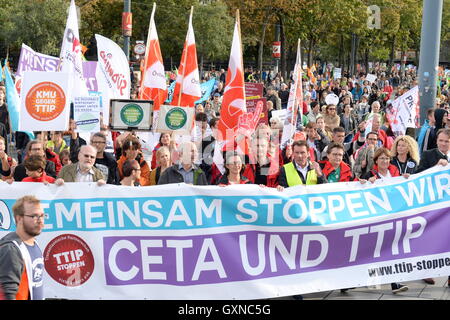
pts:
pixel 53 157
pixel 274 171
pixel 393 170
pixel 346 171
pixel 153 164
pixel 42 178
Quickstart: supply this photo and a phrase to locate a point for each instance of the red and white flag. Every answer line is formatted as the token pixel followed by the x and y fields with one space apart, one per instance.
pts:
pixel 153 83
pixel 294 106
pixel 187 87
pixel 233 101
pixel 71 54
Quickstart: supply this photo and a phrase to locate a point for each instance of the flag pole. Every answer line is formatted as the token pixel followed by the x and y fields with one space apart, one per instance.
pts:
pixel 147 46
pixel 185 56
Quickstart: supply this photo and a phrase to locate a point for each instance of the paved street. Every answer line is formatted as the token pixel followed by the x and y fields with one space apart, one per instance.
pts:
pixel 418 290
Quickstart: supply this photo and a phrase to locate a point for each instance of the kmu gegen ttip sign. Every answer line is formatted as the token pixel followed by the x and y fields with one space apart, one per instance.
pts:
pixel 45 101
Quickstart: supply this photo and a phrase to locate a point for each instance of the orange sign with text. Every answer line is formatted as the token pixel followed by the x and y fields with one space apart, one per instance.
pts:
pixel 45 101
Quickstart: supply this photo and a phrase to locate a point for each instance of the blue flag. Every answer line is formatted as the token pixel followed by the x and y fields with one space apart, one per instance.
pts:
pixel 13 101
pixel 207 88
pixel 170 92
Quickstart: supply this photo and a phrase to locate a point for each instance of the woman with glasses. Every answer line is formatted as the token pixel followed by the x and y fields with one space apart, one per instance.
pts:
pixel 234 168
pixel 334 169
pixel 383 169
pixel 331 119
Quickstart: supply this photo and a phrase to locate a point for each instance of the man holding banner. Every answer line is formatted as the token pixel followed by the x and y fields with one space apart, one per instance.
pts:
pixel 300 171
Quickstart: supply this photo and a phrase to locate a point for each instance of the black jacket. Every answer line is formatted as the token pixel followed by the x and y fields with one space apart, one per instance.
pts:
pixel 108 166
pixel 429 159
pixel 172 175
pixel 20 172
pixel 409 167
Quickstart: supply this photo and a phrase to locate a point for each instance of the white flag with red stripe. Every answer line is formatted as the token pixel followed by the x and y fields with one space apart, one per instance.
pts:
pixel 294 108
pixel 153 83
pixel 187 87
pixel 71 55
pixel 233 101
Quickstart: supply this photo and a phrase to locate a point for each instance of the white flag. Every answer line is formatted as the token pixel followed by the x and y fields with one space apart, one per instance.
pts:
pixel 113 73
pixel 70 56
pixel 403 112
pixel 294 107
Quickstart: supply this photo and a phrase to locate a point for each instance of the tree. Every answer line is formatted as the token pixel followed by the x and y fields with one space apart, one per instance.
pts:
pixel 37 23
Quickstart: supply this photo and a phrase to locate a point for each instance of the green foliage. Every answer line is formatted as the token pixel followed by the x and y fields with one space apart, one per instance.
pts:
pixel 39 24
pixel 324 27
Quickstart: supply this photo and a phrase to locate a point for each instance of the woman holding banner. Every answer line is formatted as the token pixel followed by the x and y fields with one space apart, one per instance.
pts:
pixel 234 169
pixel 163 161
pixel 405 155
pixel 383 169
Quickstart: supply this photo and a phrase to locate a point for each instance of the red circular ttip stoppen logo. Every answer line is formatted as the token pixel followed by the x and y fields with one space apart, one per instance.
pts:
pixel 69 260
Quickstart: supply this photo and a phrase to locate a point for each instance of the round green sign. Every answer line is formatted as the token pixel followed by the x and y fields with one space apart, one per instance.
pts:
pixel 131 114
pixel 176 118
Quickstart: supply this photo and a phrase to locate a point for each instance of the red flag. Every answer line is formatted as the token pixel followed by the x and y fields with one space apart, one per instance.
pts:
pixel 233 101
pixel 153 82
pixel 187 87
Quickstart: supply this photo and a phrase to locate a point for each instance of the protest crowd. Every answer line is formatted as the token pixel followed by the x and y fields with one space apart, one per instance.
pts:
pixel 342 132
pixel 335 143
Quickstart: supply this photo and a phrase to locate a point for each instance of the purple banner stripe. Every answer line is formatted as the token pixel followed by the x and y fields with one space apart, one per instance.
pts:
pixel 239 256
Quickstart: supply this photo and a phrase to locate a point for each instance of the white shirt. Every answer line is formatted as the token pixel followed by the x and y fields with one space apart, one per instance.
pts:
pixel 304 171
pixel 84 177
pixel 388 175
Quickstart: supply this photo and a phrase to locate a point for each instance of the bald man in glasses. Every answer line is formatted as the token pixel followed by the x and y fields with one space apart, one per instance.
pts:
pixel 83 170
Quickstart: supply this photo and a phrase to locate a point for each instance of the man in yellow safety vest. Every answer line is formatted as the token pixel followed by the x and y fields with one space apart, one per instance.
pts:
pixel 300 171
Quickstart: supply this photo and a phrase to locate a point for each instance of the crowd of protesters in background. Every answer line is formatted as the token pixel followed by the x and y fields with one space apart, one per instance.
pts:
pixel 350 140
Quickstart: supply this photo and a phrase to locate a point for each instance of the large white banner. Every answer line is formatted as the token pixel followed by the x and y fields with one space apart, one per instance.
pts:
pixel 45 101
pixel 237 242
pixel 113 73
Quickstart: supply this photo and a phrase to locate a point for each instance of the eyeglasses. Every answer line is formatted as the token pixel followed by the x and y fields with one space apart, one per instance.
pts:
pixel 332 109
pixel 98 142
pixel 87 156
pixel 36 217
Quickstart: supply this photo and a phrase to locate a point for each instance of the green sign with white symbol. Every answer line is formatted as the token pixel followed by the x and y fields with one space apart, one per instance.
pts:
pixel 176 118
pixel 131 114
